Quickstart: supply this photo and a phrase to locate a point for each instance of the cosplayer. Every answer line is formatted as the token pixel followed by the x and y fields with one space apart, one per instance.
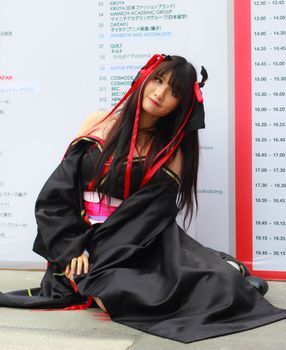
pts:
pixel 107 221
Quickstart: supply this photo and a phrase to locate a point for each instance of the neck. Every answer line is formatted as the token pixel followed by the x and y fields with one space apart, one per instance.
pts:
pixel 147 121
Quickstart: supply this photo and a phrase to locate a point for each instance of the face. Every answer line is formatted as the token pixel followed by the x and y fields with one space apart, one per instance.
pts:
pixel 158 97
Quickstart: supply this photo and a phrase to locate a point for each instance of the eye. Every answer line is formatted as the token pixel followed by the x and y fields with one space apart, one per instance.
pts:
pixel 158 80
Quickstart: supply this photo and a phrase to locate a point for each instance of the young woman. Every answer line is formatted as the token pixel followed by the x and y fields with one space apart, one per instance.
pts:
pixel 107 221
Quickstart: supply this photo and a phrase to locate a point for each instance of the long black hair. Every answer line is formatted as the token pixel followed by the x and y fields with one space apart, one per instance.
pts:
pixel 182 78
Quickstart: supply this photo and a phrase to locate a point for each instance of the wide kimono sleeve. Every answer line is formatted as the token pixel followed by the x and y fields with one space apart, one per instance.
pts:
pixel 62 232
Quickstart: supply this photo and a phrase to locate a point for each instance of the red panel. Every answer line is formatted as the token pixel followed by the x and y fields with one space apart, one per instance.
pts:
pixel 271 275
pixel 243 131
pixel 243 139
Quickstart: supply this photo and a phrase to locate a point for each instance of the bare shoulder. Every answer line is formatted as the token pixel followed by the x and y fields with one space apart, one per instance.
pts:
pixel 91 124
pixel 176 163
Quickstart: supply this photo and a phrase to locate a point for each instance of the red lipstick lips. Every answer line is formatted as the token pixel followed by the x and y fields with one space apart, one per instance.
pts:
pixel 154 102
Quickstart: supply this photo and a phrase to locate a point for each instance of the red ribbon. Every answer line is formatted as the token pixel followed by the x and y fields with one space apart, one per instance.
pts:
pixel 198 92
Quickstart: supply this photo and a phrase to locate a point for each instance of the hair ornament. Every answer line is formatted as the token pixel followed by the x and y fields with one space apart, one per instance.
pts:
pixel 152 63
pixel 204 75
pixel 198 93
pixel 197 118
pixel 199 85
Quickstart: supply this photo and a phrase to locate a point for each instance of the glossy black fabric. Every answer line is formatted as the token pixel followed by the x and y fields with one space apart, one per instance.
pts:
pixel 148 272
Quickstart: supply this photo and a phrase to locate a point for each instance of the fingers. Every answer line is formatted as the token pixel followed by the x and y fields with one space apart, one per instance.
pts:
pixel 67 270
pixel 78 265
pixel 85 263
pixel 73 265
pixel 70 276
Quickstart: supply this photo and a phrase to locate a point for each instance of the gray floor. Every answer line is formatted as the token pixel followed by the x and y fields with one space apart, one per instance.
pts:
pixel 29 330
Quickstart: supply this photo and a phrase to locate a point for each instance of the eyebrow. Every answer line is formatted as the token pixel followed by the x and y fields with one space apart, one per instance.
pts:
pixel 161 77
pixel 164 79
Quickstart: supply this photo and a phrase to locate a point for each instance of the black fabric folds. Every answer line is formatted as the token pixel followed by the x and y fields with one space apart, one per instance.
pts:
pixel 62 234
pixel 148 272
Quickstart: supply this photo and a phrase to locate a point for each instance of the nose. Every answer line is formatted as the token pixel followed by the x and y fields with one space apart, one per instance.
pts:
pixel 159 92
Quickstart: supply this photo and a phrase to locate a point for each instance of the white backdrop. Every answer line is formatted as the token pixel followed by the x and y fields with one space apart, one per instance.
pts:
pixel 58 60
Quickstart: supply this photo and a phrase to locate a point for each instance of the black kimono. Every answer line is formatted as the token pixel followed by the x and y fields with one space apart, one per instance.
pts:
pixel 148 272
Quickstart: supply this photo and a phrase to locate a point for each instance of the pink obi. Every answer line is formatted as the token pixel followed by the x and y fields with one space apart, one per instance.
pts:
pixel 96 211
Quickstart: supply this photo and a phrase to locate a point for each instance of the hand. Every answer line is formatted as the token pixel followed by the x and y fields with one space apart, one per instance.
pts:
pixel 76 266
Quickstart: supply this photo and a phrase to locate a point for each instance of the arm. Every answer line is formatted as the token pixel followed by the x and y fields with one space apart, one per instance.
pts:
pixel 62 232
pixel 89 127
